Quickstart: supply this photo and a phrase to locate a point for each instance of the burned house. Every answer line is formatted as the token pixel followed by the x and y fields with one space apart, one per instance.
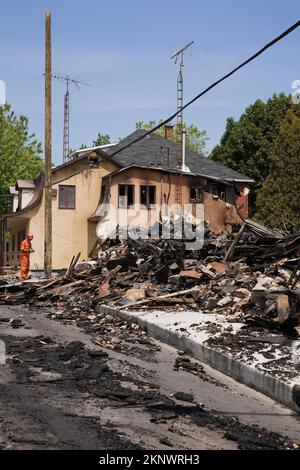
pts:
pixel 144 174
pixel 149 179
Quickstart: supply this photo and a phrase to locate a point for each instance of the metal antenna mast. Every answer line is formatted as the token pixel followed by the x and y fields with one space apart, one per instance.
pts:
pixel 178 56
pixel 66 145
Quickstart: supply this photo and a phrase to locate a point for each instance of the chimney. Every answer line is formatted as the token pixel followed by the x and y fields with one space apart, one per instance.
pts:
pixel 169 132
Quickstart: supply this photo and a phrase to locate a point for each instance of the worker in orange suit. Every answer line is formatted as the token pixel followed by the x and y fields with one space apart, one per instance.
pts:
pixel 26 249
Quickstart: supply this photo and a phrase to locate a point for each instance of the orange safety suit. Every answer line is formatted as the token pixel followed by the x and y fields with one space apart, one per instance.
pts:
pixel 25 259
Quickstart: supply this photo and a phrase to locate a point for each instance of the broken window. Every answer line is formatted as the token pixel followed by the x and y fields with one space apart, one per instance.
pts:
pixel 230 194
pixel 147 195
pixel 126 195
pixel 217 190
pixel 196 194
pixel 104 194
pixel 66 197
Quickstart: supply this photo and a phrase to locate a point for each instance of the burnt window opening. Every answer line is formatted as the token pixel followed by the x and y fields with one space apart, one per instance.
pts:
pixel 217 190
pixel 66 199
pixel 231 194
pixel 147 195
pixel 104 194
pixel 126 195
pixel 196 194
pixel 93 161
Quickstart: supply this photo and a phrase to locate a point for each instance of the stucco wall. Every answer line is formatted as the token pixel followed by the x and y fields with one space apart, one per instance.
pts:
pixel 69 226
pixel 165 191
pixel 218 214
pixel 26 196
pixel 15 202
pixel 242 201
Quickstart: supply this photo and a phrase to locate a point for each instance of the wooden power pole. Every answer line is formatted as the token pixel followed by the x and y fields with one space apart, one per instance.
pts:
pixel 48 151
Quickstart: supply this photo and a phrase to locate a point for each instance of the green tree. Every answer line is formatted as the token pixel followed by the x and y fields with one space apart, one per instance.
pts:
pixel 101 139
pixel 278 201
pixel 20 152
pixel 195 139
pixel 247 144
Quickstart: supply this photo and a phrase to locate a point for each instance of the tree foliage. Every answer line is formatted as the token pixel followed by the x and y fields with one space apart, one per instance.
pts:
pixel 247 144
pixel 278 201
pixel 20 152
pixel 101 139
pixel 195 139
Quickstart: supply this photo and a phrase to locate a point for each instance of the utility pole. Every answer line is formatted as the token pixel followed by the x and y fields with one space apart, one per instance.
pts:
pixel 48 151
pixel 66 141
pixel 178 55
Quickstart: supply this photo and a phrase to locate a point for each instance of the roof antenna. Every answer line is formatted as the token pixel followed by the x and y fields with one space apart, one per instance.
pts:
pixel 178 56
pixel 67 80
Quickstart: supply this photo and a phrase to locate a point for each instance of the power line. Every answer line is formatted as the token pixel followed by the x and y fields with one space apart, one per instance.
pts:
pixel 213 85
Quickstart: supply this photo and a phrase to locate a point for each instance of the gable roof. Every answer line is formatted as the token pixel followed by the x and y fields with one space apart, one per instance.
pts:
pixel 86 154
pixel 25 184
pixel 34 201
pixel 152 150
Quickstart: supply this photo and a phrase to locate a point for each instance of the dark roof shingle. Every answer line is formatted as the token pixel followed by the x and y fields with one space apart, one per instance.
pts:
pixel 149 151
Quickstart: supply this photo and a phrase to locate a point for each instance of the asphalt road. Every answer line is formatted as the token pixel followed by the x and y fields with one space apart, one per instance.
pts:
pixel 56 394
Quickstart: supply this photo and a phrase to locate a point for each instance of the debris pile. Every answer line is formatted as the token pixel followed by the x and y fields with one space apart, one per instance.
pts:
pixel 254 277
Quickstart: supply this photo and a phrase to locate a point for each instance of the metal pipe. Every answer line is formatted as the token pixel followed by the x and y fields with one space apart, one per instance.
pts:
pixel 183 139
pixel 183 147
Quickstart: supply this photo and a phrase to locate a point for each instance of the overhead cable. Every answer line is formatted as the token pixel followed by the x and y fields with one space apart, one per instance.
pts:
pixel 210 87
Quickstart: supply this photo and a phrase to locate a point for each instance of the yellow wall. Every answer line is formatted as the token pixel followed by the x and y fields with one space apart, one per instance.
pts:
pixel 69 226
pixel 17 225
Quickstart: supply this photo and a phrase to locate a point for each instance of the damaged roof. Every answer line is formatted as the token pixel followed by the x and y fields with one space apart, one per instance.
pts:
pixel 148 152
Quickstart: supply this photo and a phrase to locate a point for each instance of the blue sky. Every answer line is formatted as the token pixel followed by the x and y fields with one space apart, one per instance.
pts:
pixel 123 48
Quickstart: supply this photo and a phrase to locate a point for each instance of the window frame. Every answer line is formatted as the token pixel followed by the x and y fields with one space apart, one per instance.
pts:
pixel 73 186
pixel 147 186
pixel 195 188
pixel 127 206
pixel 104 193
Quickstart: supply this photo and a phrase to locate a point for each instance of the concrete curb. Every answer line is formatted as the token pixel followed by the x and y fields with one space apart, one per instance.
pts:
pixel 280 391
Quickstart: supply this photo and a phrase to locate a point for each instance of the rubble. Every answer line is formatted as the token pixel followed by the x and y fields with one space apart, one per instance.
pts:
pixel 283 308
pixel 94 381
pixel 165 442
pixel 253 278
pixel 183 396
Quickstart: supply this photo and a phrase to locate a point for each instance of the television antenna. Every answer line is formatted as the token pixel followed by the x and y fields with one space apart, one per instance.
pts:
pixel 66 139
pixel 179 56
